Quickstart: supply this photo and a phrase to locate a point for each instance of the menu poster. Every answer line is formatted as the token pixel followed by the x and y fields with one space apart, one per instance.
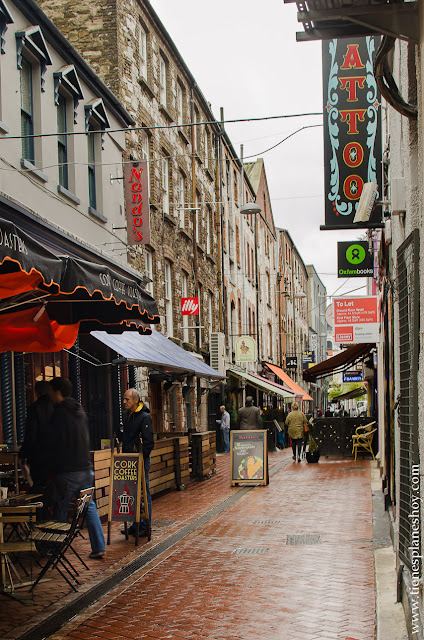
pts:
pixel 249 457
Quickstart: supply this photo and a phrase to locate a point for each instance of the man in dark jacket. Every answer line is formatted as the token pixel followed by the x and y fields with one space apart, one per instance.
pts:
pixel 70 458
pixel 36 440
pixel 138 425
pixel 249 417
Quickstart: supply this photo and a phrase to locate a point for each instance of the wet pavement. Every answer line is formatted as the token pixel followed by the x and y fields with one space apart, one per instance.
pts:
pixel 290 561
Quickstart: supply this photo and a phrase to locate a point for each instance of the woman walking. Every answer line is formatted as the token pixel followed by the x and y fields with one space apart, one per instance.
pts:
pixel 296 422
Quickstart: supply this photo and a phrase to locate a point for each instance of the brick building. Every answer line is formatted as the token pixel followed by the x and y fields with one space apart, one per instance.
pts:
pixel 135 56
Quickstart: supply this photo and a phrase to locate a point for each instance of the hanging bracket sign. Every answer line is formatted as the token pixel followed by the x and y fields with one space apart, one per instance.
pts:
pixel 137 202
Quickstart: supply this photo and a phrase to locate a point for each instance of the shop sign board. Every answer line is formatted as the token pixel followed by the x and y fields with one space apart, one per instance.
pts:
pixel 291 362
pixel 354 260
pixel 246 349
pixel 190 306
pixel 137 203
pixel 356 320
pixel 353 376
pixel 308 359
pixel 249 457
pixel 352 127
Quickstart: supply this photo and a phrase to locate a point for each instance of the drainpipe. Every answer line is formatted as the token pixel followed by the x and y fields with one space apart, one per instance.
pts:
pixel 194 212
pixel 223 301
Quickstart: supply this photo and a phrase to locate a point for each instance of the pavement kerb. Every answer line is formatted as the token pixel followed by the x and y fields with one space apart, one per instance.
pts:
pixel 69 603
pixel 390 617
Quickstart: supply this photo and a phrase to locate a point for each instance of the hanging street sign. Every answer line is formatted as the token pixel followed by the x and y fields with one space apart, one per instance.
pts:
pixel 291 362
pixel 352 127
pixel 137 203
pixel 246 349
pixel 190 306
pixel 354 260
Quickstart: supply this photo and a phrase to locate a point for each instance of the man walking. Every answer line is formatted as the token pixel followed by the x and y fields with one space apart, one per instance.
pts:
pixel 249 417
pixel 138 425
pixel 70 458
pixel 225 428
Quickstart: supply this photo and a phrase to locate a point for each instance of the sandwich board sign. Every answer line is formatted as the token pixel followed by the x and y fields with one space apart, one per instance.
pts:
pixel 249 457
pixel 127 487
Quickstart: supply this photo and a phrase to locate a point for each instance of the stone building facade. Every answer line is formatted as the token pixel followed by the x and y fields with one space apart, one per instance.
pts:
pixel 135 56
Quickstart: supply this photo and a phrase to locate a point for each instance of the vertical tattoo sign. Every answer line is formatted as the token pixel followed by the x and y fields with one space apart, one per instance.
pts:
pixel 137 203
pixel 352 126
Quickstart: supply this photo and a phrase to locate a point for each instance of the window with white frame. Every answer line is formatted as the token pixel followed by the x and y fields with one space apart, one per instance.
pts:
pixel 163 80
pixel 27 113
pixel 197 214
pixel 206 149
pixel 180 104
pixel 181 198
pixel 184 294
pixel 142 50
pixel 195 130
pixel 210 311
pixel 169 323
pixel 148 266
pixel 165 185
pixel 62 142
pixel 208 230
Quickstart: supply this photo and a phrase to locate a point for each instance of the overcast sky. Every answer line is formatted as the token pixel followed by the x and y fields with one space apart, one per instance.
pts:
pixel 245 59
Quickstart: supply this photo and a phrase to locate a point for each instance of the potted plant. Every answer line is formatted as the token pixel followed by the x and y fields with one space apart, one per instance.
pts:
pixel 312 455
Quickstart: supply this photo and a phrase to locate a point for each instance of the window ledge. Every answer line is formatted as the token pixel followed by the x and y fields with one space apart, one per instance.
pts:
pixel 175 340
pixel 185 232
pixel 145 85
pixel 209 173
pixel 97 214
pixel 198 158
pixel 166 113
pixel 181 133
pixel 211 258
pixel 170 219
pixel 26 164
pixel 3 128
pixel 68 194
pixel 200 248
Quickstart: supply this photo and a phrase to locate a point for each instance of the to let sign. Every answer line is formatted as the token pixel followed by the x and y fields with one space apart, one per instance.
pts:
pixel 137 203
pixel 190 306
pixel 356 320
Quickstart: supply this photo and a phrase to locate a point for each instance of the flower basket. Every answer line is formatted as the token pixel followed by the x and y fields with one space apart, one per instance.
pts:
pixel 312 455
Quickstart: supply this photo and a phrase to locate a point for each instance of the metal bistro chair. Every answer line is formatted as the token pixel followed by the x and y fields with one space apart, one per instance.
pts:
pixel 54 541
pixel 21 519
pixel 362 439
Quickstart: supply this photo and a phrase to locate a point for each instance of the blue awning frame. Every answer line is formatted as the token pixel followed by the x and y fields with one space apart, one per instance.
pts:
pixel 158 352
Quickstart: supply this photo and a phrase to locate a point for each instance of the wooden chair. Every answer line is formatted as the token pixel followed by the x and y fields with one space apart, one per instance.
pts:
pixel 363 437
pixel 21 519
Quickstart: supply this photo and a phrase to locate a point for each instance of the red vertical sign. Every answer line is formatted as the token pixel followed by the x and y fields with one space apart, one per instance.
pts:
pixel 137 203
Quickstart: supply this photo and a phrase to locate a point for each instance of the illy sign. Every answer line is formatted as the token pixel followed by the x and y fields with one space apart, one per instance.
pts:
pixel 190 306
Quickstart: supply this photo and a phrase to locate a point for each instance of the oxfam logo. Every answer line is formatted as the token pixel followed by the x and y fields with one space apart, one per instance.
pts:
pixel 355 254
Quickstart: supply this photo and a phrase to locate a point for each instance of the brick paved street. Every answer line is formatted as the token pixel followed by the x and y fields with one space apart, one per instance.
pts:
pixel 291 561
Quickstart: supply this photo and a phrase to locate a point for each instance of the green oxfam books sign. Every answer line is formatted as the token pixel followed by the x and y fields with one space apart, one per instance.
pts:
pixel 354 260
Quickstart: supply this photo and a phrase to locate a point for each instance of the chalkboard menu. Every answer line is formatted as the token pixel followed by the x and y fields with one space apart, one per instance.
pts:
pixel 127 487
pixel 249 457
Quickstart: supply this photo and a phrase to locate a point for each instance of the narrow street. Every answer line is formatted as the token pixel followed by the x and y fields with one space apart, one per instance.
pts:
pixel 290 561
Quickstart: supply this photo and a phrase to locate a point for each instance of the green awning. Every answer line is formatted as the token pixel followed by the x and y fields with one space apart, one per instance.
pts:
pixel 262 384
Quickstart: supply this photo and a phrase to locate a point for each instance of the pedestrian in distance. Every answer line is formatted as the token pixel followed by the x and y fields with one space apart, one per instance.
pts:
pixel 296 422
pixel 70 458
pixel 138 426
pixel 225 428
pixel 249 416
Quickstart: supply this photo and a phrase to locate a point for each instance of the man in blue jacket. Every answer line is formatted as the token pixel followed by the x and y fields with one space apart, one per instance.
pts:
pixel 138 425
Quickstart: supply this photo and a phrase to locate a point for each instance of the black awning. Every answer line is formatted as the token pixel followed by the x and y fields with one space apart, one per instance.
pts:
pixel 25 263
pixel 85 281
pixel 339 362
